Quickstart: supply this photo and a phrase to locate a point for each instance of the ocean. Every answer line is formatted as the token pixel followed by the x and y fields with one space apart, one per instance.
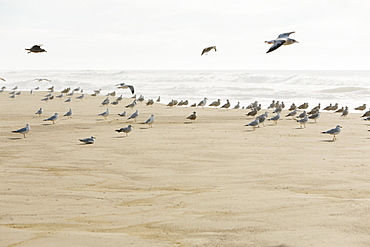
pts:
pixel 347 88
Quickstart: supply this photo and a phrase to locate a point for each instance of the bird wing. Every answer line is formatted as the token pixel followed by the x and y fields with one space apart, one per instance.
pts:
pixel 276 45
pixel 131 88
pixel 285 35
pixel 205 50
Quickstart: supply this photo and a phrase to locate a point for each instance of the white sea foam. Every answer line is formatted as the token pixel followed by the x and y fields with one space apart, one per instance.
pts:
pixel 350 88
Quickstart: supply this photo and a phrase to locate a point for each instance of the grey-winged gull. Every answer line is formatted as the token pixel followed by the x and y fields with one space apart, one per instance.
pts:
pixel 282 39
pixel 23 131
pixel 333 132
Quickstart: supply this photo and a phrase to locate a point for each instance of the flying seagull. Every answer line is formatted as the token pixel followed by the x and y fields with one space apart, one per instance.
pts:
pixel 283 39
pixel 23 131
pixel 124 86
pixel 208 49
pixel 35 49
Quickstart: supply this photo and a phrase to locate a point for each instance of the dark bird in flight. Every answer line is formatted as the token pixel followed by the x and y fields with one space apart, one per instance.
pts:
pixel 208 49
pixel 35 49
pixel 283 39
pixel 124 86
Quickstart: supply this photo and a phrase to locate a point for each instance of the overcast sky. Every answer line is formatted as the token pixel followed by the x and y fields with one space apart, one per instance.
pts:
pixel 171 34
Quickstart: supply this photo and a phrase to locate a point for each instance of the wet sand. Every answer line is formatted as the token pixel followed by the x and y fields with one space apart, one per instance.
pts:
pixel 212 182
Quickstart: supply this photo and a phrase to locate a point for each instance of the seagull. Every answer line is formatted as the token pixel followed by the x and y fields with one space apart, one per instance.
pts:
pixel 2 79
pixel 237 106
pixel 333 132
pixel 89 140
pixel 345 112
pixel 126 130
pixel 226 105
pixel 122 114
pixel 282 39
pixel 292 114
pixel 52 118
pixel 134 115
pixel 69 114
pixel 361 108
pixel 150 121
pixel 314 116
pixel 124 86
pixel 208 49
pixel 15 88
pixel 303 121
pixel 292 107
pixel 66 90
pixel 81 96
pixel 302 115
pixel 203 102
pixel 39 112
pixel 262 118
pixel 192 116
pixel 159 99
pixel 23 131
pixel 104 114
pixel 132 104
pixel 35 49
pixel 42 79
pixel 275 118
pixel 215 103
pixel 68 100
pixel 254 123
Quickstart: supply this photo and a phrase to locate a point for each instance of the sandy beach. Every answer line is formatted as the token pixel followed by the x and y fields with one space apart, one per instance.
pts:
pixel 212 182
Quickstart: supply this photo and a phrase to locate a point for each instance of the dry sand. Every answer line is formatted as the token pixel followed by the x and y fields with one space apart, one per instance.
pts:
pixel 213 182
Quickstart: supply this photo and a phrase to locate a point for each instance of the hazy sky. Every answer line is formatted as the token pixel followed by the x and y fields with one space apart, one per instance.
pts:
pixel 171 34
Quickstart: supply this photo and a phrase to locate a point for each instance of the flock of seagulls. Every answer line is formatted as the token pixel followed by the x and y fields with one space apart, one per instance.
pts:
pixel 282 40
pixel 300 113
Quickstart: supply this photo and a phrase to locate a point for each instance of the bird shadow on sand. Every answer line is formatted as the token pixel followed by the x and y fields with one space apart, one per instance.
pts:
pixel 144 128
pixel 120 137
pixel 327 140
pixel 15 138
pixel 188 122
pixel 45 124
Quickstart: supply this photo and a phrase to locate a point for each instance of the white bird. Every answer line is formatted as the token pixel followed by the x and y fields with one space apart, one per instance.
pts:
pixel 282 39
pixel 203 102
pixel 303 122
pixel 333 132
pixel 126 130
pixel 23 131
pixel 275 118
pixel 292 114
pixel 314 116
pixel 134 115
pixel 68 114
pixel 81 96
pixel 150 121
pixel 89 140
pixel 105 114
pixel 52 118
pixel 39 112
pixel 122 114
pixel 254 124
pixel 124 86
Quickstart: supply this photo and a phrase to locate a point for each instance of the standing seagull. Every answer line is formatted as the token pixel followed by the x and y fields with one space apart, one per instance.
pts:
pixel 89 140
pixel 150 121
pixel 69 113
pixel 208 49
pixel 192 116
pixel 124 86
pixel 39 112
pixel 23 131
pixel 52 118
pixel 104 114
pixel 134 115
pixel 35 49
pixel 283 39
pixel 333 132
pixel 126 130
